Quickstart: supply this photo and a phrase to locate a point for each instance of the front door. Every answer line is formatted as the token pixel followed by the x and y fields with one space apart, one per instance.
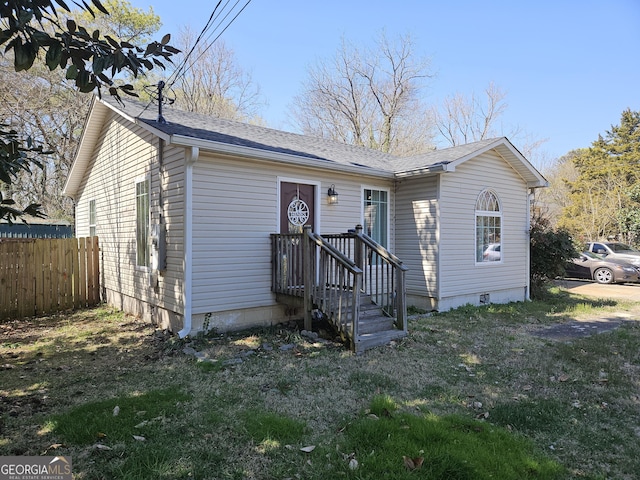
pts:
pixel 297 209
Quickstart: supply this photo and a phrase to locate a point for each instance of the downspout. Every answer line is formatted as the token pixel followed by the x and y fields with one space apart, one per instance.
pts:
pixel 191 158
pixel 527 291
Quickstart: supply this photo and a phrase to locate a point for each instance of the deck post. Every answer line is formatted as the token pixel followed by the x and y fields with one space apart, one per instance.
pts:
pixel 401 300
pixel 358 250
pixel 307 268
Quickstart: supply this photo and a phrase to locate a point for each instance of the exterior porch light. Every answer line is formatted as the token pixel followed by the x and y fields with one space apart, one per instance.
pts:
pixel 332 195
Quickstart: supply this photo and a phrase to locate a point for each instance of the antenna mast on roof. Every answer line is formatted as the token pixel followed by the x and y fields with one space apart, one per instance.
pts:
pixel 157 94
pixel 160 100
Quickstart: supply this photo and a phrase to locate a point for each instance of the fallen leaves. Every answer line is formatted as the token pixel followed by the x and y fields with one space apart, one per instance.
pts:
pixel 412 463
pixel 53 446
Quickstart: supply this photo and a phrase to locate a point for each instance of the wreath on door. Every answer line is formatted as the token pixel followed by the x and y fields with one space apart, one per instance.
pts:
pixel 298 212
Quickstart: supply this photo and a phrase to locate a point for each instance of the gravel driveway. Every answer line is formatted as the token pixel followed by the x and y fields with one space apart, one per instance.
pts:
pixel 623 291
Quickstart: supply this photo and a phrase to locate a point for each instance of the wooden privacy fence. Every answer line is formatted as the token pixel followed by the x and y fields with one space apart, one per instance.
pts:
pixel 39 276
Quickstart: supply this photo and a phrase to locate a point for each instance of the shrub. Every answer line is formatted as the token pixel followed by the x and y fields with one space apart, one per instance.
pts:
pixel 550 250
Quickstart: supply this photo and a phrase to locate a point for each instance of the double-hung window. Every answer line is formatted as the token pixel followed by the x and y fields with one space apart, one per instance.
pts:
pixel 488 228
pixel 142 223
pixel 92 218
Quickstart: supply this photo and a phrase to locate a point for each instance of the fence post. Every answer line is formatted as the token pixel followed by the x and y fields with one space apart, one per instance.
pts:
pixel 40 285
pixel 95 251
pixel 76 272
pixel 82 279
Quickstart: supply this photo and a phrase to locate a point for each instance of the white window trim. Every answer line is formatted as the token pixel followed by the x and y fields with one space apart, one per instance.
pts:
pixel 487 213
pixel 95 219
pixel 380 189
pixel 138 180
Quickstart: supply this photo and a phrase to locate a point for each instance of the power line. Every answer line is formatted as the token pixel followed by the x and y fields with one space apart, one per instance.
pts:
pixel 177 72
pixel 186 65
pixel 209 45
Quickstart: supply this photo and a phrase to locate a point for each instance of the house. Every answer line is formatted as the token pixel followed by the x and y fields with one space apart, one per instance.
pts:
pixel 188 207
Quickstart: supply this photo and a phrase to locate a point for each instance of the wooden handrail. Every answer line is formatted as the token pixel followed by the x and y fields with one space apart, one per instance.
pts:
pixel 337 254
pixel 333 272
pixel 335 288
pixel 379 249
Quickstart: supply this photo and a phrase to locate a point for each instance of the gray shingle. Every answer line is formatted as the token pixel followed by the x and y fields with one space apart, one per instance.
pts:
pixel 230 132
pixel 439 157
pixel 252 136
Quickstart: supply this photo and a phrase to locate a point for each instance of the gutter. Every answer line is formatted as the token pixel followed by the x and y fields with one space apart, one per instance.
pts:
pixel 191 158
pixel 530 194
pixel 439 168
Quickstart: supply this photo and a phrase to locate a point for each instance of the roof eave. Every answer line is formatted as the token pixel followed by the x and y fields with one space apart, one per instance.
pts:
pixel 430 170
pixel 87 141
pixel 530 174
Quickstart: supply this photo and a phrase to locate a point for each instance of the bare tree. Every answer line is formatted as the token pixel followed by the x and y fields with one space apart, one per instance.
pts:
pixel 45 106
pixel 213 83
pixel 48 110
pixel 462 119
pixel 368 97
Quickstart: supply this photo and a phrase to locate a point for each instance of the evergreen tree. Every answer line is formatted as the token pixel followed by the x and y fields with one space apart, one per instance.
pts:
pixel 602 202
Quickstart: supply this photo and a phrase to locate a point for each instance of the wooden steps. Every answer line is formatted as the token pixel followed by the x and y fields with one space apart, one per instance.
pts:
pixel 374 327
pixel 371 340
pixel 330 274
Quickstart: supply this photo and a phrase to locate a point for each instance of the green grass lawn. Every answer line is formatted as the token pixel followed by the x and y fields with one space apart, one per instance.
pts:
pixel 470 394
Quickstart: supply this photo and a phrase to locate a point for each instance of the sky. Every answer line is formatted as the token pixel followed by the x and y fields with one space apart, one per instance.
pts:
pixel 569 68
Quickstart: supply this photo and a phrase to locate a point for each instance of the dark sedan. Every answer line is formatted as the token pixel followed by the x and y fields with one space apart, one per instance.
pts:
pixel 602 270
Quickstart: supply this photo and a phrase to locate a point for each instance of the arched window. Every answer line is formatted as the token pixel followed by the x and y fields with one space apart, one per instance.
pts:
pixel 488 228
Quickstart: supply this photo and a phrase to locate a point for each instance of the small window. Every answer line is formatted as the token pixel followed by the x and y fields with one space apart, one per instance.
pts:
pixel 142 223
pixel 92 218
pixel 488 228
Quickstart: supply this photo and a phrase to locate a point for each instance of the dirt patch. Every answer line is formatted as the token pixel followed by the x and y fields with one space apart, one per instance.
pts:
pixel 566 332
pixel 589 325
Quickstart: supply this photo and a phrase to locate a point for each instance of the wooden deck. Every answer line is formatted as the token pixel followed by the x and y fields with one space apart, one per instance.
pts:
pixel 345 277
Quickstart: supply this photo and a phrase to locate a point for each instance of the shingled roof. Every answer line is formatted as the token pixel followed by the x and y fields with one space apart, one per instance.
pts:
pixel 227 136
pixel 440 157
pixel 229 132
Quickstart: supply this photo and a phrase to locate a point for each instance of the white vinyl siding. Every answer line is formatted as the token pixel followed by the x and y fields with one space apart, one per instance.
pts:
pixel 123 154
pixel 417 233
pixel 458 196
pixel 235 209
